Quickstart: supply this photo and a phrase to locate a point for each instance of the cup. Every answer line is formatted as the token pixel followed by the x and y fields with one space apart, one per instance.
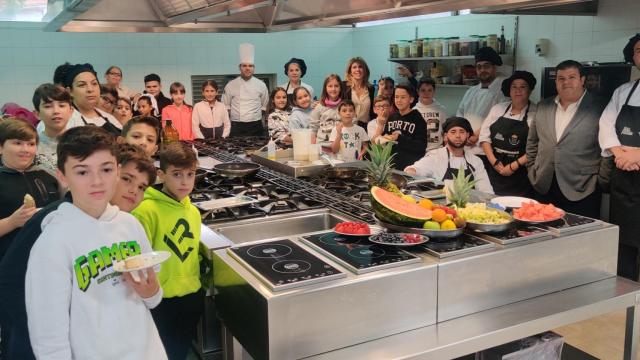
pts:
pixel 301 141
pixel 314 152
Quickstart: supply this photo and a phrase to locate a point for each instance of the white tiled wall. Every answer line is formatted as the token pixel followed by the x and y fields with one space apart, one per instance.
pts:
pixel 29 55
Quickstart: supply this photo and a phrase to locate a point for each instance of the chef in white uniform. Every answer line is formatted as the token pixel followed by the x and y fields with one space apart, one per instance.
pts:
pixel 619 136
pixel 443 163
pixel 479 99
pixel 246 97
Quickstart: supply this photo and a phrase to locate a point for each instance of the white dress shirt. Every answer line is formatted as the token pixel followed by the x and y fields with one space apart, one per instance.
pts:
pixel 245 99
pixel 476 104
pixel 497 111
pixel 76 120
pixel 607 134
pixel 287 86
pixel 436 162
pixel 563 117
pixel 210 117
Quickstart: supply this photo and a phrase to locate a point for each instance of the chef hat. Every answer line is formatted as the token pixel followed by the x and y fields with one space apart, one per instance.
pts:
pixel 628 50
pixel 247 52
pixel 488 54
pixel 518 74
pixel 457 121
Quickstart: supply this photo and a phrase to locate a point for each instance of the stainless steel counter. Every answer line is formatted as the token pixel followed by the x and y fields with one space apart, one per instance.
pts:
pixel 475 332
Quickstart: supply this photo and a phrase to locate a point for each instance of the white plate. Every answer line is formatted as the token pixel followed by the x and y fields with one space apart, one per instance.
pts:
pixel 148 260
pixel 376 239
pixel 562 214
pixel 511 201
pixel 374 230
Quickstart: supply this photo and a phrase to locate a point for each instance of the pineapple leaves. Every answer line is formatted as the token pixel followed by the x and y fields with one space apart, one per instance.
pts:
pixel 462 186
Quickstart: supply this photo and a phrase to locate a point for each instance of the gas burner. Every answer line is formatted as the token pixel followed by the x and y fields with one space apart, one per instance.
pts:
pixel 357 254
pixel 257 193
pixel 269 251
pixel 295 268
pixel 291 266
pixel 279 206
pixel 363 196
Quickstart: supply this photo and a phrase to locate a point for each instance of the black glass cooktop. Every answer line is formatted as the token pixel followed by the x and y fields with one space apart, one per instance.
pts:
pixel 520 232
pixel 571 223
pixel 462 244
pixel 281 264
pixel 357 254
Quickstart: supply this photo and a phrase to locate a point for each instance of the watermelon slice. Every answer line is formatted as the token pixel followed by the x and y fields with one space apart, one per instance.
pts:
pixel 391 208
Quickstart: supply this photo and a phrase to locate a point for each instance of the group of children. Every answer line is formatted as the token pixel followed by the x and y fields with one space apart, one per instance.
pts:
pixel 60 297
pixel 414 126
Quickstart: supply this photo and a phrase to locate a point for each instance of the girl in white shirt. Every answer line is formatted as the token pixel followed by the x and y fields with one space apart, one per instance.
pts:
pixel 210 117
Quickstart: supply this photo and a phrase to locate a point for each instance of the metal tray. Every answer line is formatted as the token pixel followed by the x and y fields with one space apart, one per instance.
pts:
pixel 233 201
pixel 442 234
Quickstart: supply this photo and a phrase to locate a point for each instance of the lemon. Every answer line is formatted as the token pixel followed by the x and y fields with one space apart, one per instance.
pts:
pixel 448 225
pixel 409 198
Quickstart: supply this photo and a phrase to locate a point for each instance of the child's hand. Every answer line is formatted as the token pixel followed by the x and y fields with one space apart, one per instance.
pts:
pixel 21 216
pixel 339 127
pixel 147 286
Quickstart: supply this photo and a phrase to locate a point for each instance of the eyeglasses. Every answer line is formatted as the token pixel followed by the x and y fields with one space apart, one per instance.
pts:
pixel 381 106
pixel 115 74
pixel 108 100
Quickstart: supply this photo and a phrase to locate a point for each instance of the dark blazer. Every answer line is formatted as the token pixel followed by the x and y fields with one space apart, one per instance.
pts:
pixel 347 95
pixel 575 158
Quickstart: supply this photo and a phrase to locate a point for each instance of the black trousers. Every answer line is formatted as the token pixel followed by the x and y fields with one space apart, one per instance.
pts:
pixel 177 319
pixel 589 206
pixel 253 128
pixel 628 264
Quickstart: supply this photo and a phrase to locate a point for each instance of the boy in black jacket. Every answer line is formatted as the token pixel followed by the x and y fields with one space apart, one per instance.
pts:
pixel 407 128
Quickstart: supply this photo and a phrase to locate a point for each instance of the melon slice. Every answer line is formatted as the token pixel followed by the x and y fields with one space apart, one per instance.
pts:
pixel 391 208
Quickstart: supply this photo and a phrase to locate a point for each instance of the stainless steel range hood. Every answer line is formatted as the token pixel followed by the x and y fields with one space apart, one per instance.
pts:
pixel 254 15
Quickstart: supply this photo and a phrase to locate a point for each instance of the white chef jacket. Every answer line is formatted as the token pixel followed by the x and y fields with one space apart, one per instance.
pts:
pixel 476 104
pixel 245 99
pixel 290 88
pixel 76 120
pixel 563 117
pixel 607 134
pixel 497 111
pixel 435 163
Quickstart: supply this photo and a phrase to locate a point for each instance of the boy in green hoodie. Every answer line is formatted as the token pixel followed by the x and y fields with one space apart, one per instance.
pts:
pixel 172 223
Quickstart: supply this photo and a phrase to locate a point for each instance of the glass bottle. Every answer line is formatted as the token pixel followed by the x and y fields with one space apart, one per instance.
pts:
pixel 169 133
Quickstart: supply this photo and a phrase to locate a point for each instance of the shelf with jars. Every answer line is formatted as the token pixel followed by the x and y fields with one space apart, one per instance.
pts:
pixel 450 60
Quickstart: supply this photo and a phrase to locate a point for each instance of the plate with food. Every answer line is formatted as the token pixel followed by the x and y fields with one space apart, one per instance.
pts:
pixel 481 218
pixel 141 261
pixel 356 228
pixel 537 213
pixel 513 202
pixel 398 239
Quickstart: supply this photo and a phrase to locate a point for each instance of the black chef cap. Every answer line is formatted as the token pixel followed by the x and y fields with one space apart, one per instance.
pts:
pixel 457 121
pixel 518 74
pixel 628 50
pixel 488 54
pixel 300 62
pixel 152 77
pixel 65 73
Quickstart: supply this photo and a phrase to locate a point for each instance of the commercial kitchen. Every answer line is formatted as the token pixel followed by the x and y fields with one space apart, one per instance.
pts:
pixel 280 282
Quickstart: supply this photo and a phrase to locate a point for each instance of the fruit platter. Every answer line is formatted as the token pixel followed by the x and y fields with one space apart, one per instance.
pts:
pixel 402 213
pixel 537 213
pixel 481 218
pixel 356 228
pixel 398 239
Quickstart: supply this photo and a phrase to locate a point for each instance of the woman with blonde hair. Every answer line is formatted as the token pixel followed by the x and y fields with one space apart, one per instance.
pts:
pixel 358 89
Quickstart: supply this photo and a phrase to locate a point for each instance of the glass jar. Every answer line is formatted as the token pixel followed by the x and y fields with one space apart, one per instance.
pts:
pixel 437 46
pixel 393 51
pixel 403 49
pixel 454 46
pixel 445 47
pixel 426 47
pixel 492 41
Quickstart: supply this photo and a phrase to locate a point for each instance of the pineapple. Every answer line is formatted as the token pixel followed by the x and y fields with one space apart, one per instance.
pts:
pixel 380 166
pixel 462 186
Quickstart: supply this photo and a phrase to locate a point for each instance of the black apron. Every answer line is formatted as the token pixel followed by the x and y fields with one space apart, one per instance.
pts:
pixel 111 129
pixel 212 133
pixel 509 142
pixel 451 172
pixel 289 96
pixel 625 185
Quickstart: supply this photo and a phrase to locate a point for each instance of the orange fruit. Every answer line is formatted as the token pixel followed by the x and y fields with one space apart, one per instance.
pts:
pixel 426 203
pixel 438 215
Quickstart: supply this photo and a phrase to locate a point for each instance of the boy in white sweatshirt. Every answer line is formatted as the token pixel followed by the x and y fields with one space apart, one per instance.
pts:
pixel 78 307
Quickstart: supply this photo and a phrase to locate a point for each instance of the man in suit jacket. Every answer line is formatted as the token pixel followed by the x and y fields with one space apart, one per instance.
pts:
pixel 563 154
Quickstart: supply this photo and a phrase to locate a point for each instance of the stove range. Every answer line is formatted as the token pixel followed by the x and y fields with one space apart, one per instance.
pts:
pixel 571 223
pixel 272 199
pixel 463 244
pixel 237 145
pixel 519 232
pixel 282 264
pixel 357 254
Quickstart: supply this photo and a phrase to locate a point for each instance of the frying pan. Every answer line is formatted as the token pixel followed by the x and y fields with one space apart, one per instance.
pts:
pixel 346 172
pixel 236 169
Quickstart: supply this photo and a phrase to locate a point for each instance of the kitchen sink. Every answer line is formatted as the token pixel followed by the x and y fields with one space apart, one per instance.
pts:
pixel 279 225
